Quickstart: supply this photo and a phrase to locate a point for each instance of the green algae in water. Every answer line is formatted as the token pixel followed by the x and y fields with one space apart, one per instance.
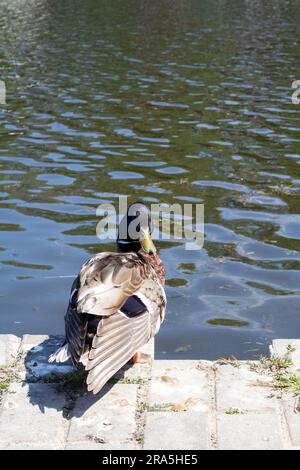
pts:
pixel 227 322
pixel 176 282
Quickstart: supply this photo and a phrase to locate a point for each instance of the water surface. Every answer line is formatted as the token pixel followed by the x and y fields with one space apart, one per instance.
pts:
pixel 162 101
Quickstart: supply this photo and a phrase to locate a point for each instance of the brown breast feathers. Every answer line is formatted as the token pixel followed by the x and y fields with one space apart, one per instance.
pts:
pixel 156 263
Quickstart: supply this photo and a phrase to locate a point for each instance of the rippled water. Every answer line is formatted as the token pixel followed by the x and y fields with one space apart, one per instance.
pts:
pixel 164 101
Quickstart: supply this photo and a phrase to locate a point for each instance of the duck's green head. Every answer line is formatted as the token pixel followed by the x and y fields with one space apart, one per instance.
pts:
pixel 135 230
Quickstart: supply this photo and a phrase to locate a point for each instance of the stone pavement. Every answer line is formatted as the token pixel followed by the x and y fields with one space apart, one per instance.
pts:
pixel 175 404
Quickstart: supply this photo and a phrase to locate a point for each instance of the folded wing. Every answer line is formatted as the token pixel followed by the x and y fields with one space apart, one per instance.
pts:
pixel 117 340
pixel 103 286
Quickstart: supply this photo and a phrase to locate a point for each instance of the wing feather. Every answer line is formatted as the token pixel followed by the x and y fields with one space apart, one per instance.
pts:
pixel 123 344
pixel 108 343
pixel 106 281
pixel 106 353
pixel 76 328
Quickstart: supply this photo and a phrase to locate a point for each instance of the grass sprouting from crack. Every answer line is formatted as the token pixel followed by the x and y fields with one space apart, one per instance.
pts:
pixel 233 361
pixel 175 407
pixel 288 381
pixel 290 348
pixel 279 369
pixel 272 364
pixel 233 411
pixel 160 407
pixel 8 374
pixel 143 391
pixel 140 416
pixel 128 380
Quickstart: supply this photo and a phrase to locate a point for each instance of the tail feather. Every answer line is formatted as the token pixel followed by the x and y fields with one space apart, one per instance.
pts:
pixel 61 355
pixel 85 357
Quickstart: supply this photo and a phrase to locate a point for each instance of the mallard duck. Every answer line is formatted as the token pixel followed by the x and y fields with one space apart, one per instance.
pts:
pixel 117 304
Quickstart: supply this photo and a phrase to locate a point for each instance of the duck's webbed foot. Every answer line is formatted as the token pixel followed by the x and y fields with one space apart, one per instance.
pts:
pixel 141 358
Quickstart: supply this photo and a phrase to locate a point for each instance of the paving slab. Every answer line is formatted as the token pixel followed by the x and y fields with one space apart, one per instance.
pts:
pixel 9 347
pixel 84 445
pixel 249 431
pixel 236 387
pixel 176 431
pixel 292 415
pixel 108 418
pixel 31 341
pixel 32 417
pixel 36 350
pixel 179 383
pixel 279 348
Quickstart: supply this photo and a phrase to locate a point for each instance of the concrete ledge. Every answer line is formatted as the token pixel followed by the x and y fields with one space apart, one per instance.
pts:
pixel 9 347
pixel 172 405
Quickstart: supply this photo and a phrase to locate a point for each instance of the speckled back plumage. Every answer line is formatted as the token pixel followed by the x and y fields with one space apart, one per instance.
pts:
pixel 107 289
